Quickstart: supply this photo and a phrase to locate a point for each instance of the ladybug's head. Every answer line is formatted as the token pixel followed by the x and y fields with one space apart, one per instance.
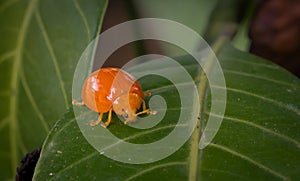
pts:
pixel 128 115
pixel 126 105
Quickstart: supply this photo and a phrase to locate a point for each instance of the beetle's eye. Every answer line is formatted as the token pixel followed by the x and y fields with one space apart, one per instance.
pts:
pixel 125 116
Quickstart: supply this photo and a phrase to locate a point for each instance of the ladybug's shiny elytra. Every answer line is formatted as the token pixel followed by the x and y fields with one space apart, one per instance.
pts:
pixel 112 89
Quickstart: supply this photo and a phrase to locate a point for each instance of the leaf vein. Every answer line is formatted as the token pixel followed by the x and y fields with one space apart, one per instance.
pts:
pixel 33 102
pixel 278 103
pixel 161 88
pixel 53 56
pixel 7 4
pixel 75 163
pixel 6 56
pixel 284 137
pixel 250 160
pixel 114 144
pixel 240 176
pixel 21 145
pixel 4 122
pixel 154 168
pixel 257 77
pixel 15 81
pixel 84 19
pixel 254 63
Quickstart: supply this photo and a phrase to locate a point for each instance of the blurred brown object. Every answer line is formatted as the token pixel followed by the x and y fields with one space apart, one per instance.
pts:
pixel 116 13
pixel 28 163
pixel 275 32
pixel 120 11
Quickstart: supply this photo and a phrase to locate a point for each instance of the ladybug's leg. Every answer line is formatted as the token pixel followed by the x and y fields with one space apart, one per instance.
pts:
pixel 144 106
pixel 94 123
pixel 145 110
pixel 76 103
pixel 108 119
pixel 147 93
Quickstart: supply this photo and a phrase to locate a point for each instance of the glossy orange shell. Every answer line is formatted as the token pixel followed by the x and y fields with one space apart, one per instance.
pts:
pixel 103 86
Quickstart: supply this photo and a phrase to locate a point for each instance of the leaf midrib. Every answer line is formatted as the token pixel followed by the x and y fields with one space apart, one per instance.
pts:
pixel 202 86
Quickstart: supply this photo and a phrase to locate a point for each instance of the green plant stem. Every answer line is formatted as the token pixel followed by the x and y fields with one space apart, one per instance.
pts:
pixel 202 92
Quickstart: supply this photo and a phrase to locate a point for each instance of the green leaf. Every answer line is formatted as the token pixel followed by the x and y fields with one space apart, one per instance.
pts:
pixel 258 139
pixel 41 42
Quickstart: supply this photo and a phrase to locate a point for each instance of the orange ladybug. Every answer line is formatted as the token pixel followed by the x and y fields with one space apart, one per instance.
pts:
pixel 112 89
